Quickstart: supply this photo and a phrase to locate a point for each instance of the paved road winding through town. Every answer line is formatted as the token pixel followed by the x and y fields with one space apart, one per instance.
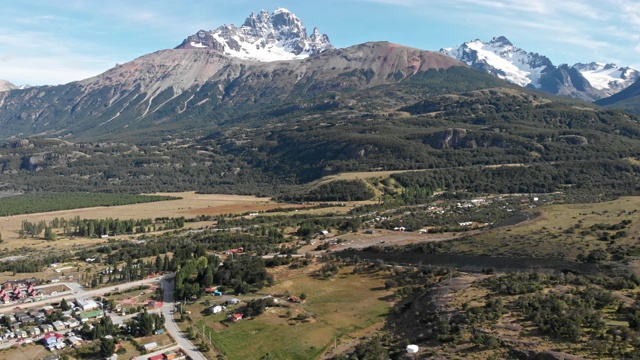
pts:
pixel 170 324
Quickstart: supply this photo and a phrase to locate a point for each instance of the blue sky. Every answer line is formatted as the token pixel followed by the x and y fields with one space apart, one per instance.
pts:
pixel 54 42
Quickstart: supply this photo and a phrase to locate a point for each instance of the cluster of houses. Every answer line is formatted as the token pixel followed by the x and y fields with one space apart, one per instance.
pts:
pixel 32 324
pixel 56 341
pixel 18 290
pixel 216 309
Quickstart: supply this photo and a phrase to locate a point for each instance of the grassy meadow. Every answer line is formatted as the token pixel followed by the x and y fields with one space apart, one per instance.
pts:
pixel 560 231
pixel 339 309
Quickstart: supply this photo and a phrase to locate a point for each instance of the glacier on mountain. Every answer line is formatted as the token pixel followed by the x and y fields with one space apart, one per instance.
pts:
pixel 502 59
pixel 608 76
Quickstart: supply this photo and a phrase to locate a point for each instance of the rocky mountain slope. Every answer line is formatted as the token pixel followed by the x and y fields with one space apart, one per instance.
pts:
pixel 6 85
pixel 627 99
pixel 201 87
pixel 501 58
pixel 262 37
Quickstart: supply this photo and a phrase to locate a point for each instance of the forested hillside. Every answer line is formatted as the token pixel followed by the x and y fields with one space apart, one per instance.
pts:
pixel 475 128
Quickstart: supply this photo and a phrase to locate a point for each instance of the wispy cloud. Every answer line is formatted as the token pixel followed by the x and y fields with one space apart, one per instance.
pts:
pixel 66 40
pixel 604 29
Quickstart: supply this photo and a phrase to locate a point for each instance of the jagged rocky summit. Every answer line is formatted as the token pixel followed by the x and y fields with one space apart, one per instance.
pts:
pixel 263 37
pixel 501 58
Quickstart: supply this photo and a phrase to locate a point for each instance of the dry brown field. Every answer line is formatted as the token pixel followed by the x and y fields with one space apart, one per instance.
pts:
pixel 190 205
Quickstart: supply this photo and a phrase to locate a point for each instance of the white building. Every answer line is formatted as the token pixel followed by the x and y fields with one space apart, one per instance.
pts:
pixel 217 309
pixel 87 304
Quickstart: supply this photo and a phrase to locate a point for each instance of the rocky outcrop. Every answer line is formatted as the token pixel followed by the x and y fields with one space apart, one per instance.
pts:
pixel 574 140
pixel 450 139
pixel 41 161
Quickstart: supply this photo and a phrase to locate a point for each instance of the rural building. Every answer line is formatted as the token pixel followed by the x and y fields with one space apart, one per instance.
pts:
pixel 73 323
pixel 239 250
pixel 51 339
pixel 86 304
pixel 94 314
pixel 235 317
pixel 150 346
pixel 214 291
pixel 34 332
pixel 233 301
pixel 216 309
pixel 74 341
pixel 46 328
pixel 53 342
pixel 25 319
pixel 41 318
pixel 170 355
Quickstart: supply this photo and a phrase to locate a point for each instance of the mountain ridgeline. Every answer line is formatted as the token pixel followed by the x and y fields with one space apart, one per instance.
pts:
pixel 185 89
pixel 202 118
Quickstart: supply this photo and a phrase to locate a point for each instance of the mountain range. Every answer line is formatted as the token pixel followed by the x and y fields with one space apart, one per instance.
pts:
pixel 279 36
pixel 203 117
pixel 499 57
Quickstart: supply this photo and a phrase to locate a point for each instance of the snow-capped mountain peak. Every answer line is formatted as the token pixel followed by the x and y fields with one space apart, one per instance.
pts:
pixel 262 37
pixel 608 77
pixel 501 58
